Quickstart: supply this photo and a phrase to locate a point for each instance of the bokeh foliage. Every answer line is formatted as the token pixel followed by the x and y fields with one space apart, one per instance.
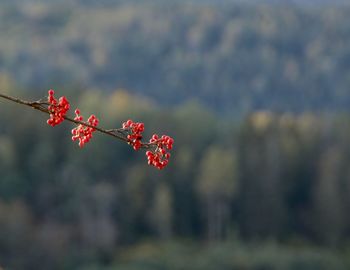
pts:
pixel 267 177
pixel 255 96
pixel 233 57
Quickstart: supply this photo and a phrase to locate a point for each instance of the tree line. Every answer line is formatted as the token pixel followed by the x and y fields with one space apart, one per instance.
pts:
pixel 234 58
pixel 268 176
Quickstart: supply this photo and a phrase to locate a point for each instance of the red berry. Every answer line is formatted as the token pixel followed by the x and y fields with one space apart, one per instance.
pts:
pixel 82 132
pixel 134 135
pixel 58 109
pixel 159 157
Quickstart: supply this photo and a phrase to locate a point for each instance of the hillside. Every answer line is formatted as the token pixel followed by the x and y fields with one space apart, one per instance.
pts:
pixel 233 58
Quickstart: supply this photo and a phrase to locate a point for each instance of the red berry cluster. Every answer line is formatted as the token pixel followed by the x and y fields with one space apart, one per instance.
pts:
pixel 159 158
pixel 135 133
pixel 58 109
pixel 81 132
pixel 158 155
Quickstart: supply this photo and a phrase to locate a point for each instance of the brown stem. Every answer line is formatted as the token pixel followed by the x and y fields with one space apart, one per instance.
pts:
pixel 37 105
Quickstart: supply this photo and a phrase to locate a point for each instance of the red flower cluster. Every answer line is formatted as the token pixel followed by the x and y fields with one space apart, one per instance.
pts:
pixel 58 109
pixel 81 132
pixel 159 158
pixel 135 136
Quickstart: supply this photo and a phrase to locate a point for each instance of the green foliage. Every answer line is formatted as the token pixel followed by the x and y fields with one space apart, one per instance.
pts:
pixel 217 174
pixel 226 256
pixel 233 58
pixel 268 176
pixel 264 191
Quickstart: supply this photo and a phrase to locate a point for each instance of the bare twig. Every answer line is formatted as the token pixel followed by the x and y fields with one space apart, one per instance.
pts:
pixel 41 106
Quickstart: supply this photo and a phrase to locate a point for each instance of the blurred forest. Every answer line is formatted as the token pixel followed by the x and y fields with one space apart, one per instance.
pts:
pixel 256 97
pixel 272 179
pixel 233 58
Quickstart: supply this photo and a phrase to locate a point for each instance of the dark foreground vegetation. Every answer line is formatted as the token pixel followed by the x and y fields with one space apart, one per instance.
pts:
pixel 271 189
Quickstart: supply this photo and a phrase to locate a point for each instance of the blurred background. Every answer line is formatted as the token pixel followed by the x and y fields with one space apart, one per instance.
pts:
pixel 256 95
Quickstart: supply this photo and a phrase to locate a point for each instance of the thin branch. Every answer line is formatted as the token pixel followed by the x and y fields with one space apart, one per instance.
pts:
pixel 38 105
